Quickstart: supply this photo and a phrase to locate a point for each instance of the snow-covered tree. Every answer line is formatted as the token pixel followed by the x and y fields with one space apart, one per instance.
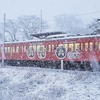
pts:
pixel 95 26
pixel 31 25
pixel 69 23
pixel 12 28
pixel 2 33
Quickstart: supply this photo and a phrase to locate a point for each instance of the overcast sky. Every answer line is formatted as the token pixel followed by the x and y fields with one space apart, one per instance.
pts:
pixel 50 8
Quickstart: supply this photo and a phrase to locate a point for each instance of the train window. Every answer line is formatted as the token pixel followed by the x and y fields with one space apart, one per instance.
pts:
pixel 24 48
pixel 17 49
pixel 71 47
pixel 96 46
pixel 13 49
pixel 6 50
pixel 91 46
pixel 49 49
pixel 10 50
pixel 38 46
pixel 41 48
pixel 66 46
pixel 77 46
pixel 86 46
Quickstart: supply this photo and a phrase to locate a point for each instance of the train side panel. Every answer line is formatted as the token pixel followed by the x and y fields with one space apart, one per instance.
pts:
pixel 78 49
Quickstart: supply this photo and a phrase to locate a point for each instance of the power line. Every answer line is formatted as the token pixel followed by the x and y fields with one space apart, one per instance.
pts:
pixel 89 13
pixel 51 19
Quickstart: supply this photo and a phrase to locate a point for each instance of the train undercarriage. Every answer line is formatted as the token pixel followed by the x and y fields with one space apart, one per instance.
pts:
pixel 67 65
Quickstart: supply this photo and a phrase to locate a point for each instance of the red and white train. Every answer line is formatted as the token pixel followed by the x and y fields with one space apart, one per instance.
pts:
pixel 77 52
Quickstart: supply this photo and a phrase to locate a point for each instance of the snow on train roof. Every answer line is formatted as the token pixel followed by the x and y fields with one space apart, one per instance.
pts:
pixel 59 36
pixel 56 37
pixel 46 34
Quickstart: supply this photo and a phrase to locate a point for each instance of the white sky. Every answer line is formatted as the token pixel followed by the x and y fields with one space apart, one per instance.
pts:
pixel 50 8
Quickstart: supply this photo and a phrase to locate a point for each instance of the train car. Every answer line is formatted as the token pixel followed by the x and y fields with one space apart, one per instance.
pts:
pixel 76 52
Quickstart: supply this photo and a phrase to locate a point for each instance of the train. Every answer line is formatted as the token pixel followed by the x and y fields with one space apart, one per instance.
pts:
pixel 47 50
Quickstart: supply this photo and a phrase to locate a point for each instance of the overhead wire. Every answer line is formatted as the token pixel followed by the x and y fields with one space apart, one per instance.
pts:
pixel 89 13
pixel 78 15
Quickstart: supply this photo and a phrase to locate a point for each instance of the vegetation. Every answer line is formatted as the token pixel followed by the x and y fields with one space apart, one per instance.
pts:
pixel 25 26
pixel 95 26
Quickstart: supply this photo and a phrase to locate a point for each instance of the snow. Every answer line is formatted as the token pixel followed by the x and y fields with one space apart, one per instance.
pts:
pixel 56 37
pixel 30 83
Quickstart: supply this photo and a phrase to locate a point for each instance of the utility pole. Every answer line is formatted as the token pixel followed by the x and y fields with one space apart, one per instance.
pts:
pixel 41 22
pixel 3 44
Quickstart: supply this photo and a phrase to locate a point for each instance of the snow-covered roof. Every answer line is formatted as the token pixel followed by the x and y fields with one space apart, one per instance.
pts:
pixel 56 37
pixel 45 34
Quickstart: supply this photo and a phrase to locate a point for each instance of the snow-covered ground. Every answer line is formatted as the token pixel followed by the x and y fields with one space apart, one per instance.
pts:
pixel 17 83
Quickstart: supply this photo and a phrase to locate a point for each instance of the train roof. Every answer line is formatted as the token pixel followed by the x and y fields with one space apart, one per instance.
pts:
pixel 46 34
pixel 56 37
